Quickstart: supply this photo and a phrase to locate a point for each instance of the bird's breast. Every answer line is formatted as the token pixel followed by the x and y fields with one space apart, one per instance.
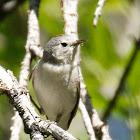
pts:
pixel 56 88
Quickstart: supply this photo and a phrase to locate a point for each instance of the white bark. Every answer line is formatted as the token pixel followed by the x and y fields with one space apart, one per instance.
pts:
pixel 98 11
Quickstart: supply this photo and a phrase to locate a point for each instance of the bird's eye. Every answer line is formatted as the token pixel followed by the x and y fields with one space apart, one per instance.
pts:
pixel 64 44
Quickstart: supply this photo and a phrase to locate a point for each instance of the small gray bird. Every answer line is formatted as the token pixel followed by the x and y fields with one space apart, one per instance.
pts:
pixel 56 80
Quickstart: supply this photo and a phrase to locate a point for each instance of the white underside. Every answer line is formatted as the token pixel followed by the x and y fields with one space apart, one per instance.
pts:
pixel 56 92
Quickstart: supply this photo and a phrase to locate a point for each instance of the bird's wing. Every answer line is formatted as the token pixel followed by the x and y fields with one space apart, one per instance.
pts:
pixel 31 72
pixel 40 109
pixel 73 113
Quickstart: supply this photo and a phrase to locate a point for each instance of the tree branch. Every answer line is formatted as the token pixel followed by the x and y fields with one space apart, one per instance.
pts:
pixel 86 120
pixel 120 87
pixel 33 43
pixel 16 127
pixel 70 15
pixel 20 99
pixel 98 11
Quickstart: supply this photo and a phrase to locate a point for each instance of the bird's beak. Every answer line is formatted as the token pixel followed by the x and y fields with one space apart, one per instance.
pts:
pixel 77 42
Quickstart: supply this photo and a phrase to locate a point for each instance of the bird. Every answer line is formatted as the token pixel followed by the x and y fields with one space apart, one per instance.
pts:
pixel 55 79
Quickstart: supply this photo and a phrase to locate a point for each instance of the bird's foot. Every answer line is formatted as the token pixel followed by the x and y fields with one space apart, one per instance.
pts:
pixel 51 122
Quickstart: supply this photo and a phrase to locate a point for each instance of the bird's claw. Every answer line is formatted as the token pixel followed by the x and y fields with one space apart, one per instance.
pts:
pixel 50 122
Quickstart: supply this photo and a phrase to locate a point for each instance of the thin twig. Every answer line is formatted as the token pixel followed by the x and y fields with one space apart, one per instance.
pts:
pixel 98 11
pixel 120 87
pixel 86 120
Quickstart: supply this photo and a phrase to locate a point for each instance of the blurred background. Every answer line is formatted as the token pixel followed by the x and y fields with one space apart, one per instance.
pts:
pixel 104 58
